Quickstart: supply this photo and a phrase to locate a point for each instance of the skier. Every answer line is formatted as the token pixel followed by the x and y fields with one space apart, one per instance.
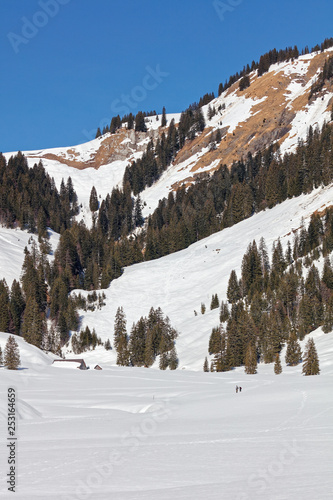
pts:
pixel 236 389
pixel 240 389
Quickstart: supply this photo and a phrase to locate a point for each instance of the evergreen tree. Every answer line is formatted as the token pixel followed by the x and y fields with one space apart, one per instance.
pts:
pixel 206 365
pixel 140 125
pixel 214 302
pixel 164 120
pixel 327 276
pixel 294 352
pixel 233 291
pixel 210 112
pixel 138 218
pixel 98 133
pixel 4 309
pixel 1 357
pixel 173 359
pixel 120 338
pixel 250 360
pixel 277 365
pixel 130 122
pixel 164 361
pixel 203 308
pixel 33 325
pixel 93 200
pixel 218 136
pixel 214 345
pixel 149 354
pixel 244 83
pixel 328 316
pixel 311 361
pixel 224 312
pixel 137 343
pixel 12 355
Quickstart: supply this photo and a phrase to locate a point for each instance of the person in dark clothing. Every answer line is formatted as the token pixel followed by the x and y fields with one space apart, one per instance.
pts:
pixel 236 389
pixel 240 389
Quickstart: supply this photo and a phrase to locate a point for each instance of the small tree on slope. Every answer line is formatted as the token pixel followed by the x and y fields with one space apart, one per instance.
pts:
pixel 206 365
pixel 250 360
pixel 277 365
pixel 120 338
pixel 1 358
pixel 311 361
pixel 294 352
pixel 12 354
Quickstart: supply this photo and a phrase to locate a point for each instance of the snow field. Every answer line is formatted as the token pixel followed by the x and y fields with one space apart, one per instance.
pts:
pixel 135 433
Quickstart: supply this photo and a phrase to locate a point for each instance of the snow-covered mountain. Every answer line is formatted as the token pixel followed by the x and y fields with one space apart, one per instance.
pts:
pixel 275 107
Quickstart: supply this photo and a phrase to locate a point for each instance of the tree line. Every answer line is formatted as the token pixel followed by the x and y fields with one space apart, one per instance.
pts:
pixel 150 337
pixel 276 301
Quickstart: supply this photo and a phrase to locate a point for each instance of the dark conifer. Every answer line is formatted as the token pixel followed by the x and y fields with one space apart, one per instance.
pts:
pixel 244 83
pixel 137 343
pixel 310 359
pixel 173 359
pixel 17 306
pixel 140 124
pixel 233 291
pixel 215 303
pixel 206 365
pixel 224 312
pixel 164 361
pixel 250 360
pixel 120 338
pixel 93 200
pixel 277 365
pixel 12 354
pixel 4 308
pixel 294 352
pixel 33 325
pixel 164 120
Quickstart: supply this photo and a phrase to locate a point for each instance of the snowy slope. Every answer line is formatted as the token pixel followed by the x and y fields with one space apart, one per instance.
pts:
pixel 178 283
pixel 12 244
pixel 31 357
pixel 139 434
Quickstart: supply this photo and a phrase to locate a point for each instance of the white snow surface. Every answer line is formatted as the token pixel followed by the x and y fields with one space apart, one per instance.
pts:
pixel 139 434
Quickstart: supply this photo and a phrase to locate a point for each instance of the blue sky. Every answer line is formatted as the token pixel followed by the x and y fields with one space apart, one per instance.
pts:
pixel 68 66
